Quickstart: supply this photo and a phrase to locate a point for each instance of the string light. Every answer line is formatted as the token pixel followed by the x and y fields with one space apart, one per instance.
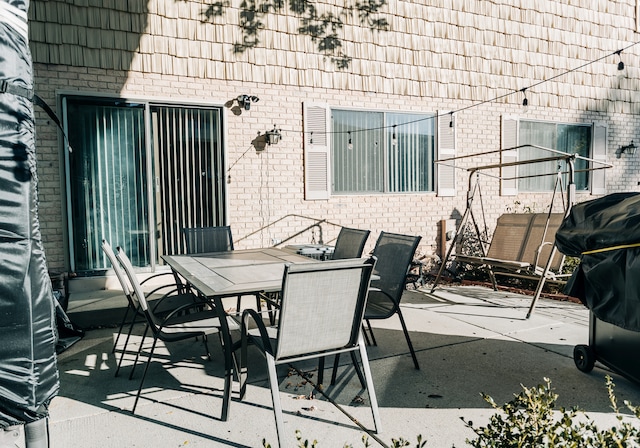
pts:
pixel 311 138
pixel 620 64
pixel 525 101
pixel 394 141
pixel 350 143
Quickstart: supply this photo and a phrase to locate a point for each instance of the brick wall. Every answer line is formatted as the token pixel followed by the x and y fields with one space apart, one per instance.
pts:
pixel 448 56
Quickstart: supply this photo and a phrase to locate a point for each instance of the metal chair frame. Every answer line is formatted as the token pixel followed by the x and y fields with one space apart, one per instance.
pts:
pixel 395 253
pixel 185 322
pixel 321 313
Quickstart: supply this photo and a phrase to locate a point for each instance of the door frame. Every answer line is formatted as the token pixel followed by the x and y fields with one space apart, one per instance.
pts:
pixel 148 103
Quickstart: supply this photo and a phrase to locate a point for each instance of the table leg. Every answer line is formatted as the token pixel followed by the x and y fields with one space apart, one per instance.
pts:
pixel 227 347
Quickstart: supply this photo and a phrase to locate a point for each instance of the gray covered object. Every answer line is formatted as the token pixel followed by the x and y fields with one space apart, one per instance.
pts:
pixel 28 371
pixel 605 234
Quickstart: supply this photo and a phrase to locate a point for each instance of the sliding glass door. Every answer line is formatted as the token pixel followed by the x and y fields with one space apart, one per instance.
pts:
pixel 188 167
pixel 137 173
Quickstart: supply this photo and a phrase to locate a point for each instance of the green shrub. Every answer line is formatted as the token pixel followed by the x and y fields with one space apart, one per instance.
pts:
pixel 529 421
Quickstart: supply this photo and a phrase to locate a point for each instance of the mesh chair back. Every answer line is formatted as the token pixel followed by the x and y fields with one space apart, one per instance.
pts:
pixel 394 253
pixel 106 248
pixel 542 235
pixel 137 294
pixel 350 243
pixel 208 239
pixel 322 306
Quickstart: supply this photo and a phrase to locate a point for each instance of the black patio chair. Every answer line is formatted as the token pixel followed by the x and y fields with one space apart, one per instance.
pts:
pixel 163 306
pixel 350 243
pixel 185 322
pixel 394 253
pixel 200 240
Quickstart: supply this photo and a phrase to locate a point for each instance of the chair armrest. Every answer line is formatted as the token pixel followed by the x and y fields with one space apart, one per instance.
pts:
pixel 244 329
pixel 168 295
pixel 156 275
pixel 374 289
pixel 179 310
pixel 195 300
pixel 155 290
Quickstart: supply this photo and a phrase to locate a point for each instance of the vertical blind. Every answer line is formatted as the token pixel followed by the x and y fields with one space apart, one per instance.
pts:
pixel 366 158
pixel 572 139
pixel 108 182
pixel 189 161
pixel 357 152
pixel 410 156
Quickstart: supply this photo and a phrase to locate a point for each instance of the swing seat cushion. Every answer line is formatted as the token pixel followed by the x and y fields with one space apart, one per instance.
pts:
pixel 520 243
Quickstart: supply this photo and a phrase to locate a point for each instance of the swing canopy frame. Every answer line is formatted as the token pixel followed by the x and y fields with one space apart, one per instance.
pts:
pixel 546 253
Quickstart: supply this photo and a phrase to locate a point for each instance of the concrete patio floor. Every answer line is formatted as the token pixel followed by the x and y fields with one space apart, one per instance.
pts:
pixel 469 340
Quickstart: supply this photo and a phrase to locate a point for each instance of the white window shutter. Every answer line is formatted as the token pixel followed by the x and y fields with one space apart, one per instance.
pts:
pixel 599 153
pixel 508 174
pixel 446 138
pixel 317 160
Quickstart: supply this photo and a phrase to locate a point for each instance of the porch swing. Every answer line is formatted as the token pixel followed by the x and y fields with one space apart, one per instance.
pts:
pixel 523 244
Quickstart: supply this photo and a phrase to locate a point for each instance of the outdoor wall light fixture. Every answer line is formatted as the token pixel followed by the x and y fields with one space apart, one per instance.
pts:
pixel 273 136
pixel 245 101
pixel 629 149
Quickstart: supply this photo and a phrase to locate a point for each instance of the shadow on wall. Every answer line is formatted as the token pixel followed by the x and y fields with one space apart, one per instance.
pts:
pixel 81 35
pixel 76 35
pixel 324 28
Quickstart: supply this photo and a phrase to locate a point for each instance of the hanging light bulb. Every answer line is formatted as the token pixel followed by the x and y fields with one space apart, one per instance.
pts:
pixel 525 101
pixel 451 119
pixel 311 138
pixel 350 143
pixel 620 63
pixel 394 141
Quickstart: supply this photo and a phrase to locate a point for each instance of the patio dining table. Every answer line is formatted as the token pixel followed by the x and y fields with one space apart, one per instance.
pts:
pixel 226 274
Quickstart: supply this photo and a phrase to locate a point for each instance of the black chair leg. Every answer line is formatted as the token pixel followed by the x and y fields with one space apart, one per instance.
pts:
pixel 126 343
pixel 406 335
pixel 124 319
pixel 270 300
pixel 336 362
pixel 258 303
pixel 144 375
pixel 373 338
pixel 206 346
pixel 364 333
pixel 356 366
pixel 135 363
pixel 320 370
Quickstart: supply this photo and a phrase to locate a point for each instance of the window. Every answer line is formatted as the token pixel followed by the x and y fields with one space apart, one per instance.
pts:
pixel 371 152
pixel 588 140
pixel 377 152
pixel 568 138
